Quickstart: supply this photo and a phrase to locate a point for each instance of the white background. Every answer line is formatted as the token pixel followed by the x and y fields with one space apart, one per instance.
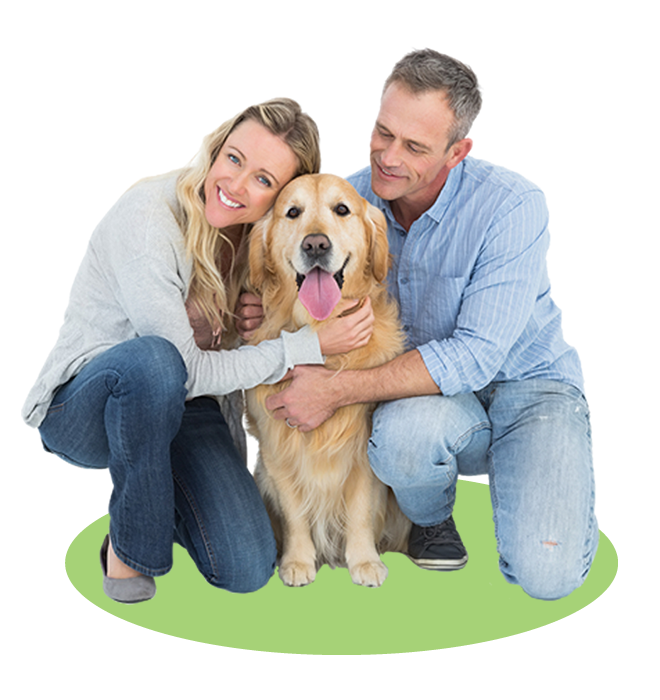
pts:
pixel 97 95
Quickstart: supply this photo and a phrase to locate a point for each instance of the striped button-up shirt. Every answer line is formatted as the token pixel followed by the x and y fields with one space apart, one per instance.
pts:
pixel 471 280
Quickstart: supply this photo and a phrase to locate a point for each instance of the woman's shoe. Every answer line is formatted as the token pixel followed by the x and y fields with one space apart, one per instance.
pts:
pixel 125 590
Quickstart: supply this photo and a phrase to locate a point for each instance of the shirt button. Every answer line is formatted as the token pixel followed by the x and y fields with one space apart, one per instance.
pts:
pixel 405 280
pixel 406 328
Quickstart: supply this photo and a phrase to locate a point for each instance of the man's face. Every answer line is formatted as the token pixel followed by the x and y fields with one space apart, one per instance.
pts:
pixel 409 157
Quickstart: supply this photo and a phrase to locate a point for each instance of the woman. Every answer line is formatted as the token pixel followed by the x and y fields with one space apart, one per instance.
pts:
pixel 129 382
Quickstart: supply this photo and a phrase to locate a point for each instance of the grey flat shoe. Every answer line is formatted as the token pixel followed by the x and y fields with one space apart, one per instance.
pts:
pixel 125 590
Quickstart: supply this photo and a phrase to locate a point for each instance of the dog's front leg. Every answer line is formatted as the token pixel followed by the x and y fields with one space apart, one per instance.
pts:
pixel 298 561
pixel 366 500
pixel 298 564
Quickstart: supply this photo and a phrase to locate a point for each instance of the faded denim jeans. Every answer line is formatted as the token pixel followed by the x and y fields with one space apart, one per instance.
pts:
pixel 533 439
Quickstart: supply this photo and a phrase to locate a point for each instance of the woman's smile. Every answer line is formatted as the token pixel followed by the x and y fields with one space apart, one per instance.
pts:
pixel 249 171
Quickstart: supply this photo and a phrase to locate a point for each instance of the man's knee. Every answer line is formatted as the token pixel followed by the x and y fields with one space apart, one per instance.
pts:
pixel 551 587
pixel 549 572
pixel 412 436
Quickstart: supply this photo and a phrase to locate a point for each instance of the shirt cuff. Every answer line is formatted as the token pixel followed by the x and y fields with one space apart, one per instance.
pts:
pixel 443 374
pixel 301 348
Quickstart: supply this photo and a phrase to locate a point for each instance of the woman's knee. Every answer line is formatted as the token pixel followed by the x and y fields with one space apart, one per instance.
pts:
pixel 160 357
pixel 248 572
pixel 248 581
pixel 156 368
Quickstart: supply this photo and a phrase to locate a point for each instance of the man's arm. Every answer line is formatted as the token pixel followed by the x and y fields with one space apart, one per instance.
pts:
pixel 249 315
pixel 316 393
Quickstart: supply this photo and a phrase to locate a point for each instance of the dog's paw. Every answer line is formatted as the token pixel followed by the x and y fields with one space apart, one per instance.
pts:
pixel 369 573
pixel 297 573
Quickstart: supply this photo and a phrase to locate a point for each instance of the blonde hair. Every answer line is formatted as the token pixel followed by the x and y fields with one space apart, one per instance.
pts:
pixel 204 243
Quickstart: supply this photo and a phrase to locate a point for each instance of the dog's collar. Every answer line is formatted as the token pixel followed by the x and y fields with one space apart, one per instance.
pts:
pixel 353 309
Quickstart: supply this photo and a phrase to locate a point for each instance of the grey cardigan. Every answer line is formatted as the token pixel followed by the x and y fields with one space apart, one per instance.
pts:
pixel 133 281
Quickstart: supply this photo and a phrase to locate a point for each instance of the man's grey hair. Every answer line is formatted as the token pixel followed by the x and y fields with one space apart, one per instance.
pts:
pixel 426 70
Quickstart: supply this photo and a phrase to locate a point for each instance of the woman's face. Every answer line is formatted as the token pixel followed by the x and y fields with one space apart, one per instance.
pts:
pixel 251 168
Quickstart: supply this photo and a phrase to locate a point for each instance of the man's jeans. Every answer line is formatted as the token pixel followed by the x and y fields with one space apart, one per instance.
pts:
pixel 176 473
pixel 533 439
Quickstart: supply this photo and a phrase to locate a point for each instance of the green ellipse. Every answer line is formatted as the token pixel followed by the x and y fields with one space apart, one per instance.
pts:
pixel 414 610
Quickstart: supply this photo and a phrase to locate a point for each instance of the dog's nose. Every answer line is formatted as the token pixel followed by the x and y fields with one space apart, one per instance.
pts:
pixel 316 245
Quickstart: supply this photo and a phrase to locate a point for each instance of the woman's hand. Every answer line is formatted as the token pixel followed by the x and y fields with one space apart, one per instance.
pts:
pixel 344 333
pixel 249 315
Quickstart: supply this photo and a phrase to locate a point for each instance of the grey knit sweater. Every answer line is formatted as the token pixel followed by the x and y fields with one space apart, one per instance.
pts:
pixel 133 281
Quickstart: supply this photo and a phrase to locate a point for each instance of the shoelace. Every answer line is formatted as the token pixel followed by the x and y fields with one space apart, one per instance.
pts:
pixel 443 533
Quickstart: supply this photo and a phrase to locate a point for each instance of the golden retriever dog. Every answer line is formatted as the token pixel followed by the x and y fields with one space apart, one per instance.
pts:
pixel 320 242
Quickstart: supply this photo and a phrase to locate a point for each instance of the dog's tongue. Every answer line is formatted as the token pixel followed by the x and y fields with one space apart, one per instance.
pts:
pixel 319 294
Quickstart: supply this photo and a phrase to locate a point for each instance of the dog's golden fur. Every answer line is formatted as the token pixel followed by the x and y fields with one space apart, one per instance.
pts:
pixel 325 503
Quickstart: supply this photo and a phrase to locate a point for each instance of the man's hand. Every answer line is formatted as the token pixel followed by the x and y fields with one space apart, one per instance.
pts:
pixel 310 399
pixel 249 315
pixel 206 338
pixel 315 392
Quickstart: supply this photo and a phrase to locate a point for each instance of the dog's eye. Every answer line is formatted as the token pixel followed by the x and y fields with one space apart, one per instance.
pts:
pixel 293 213
pixel 342 210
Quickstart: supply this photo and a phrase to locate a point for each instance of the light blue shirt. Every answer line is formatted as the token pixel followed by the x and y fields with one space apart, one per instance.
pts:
pixel 471 281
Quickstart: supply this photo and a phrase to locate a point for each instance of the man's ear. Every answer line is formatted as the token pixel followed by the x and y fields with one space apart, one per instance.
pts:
pixel 459 151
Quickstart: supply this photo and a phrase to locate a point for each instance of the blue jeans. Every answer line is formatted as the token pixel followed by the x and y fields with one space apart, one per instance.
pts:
pixel 533 439
pixel 177 475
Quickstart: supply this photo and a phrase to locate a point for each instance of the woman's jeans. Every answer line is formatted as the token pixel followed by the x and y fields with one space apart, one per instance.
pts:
pixel 177 475
pixel 533 439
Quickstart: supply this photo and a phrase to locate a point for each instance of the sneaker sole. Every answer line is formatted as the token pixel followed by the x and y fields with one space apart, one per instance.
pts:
pixel 440 564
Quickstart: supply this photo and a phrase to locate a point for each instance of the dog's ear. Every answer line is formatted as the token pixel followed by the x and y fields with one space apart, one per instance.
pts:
pixel 379 247
pixel 257 251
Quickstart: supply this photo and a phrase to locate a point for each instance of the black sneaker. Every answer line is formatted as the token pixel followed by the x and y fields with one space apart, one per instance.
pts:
pixel 437 547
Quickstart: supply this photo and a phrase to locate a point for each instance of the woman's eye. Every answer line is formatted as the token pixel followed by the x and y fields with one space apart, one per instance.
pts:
pixel 264 181
pixel 293 213
pixel 233 158
pixel 342 210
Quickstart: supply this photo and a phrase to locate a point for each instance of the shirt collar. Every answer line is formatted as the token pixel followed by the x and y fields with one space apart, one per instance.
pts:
pixel 447 193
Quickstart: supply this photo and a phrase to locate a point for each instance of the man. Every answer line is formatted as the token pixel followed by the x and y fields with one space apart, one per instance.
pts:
pixel 488 385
